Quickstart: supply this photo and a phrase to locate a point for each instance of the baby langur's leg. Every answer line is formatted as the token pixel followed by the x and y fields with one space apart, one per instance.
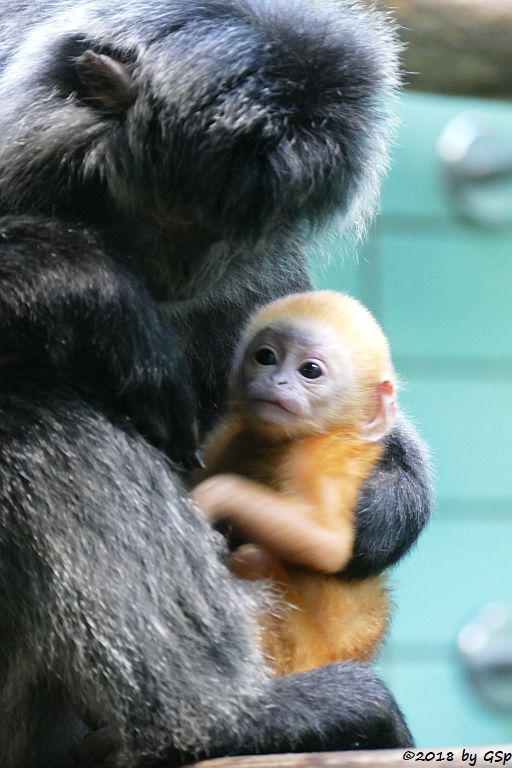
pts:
pixel 290 637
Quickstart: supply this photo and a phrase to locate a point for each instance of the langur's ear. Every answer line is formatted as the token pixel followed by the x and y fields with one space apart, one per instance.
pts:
pixel 106 83
pixel 383 417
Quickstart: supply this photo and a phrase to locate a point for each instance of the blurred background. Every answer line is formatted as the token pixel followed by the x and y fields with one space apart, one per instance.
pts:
pixel 437 273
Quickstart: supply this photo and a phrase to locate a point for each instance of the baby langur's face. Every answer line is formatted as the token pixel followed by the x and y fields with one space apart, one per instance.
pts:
pixel 295 376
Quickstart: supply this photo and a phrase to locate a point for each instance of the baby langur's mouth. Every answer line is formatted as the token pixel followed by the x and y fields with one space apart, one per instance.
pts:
pixel 279 402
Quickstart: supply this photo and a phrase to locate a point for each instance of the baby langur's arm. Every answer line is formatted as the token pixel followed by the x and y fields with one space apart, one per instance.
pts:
pixel 285 525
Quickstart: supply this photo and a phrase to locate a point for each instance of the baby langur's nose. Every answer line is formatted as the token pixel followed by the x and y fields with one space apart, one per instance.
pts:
pixel 280 380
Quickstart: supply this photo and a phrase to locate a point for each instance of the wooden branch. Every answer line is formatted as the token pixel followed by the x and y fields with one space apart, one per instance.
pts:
pixel 387 758
pixel 456 46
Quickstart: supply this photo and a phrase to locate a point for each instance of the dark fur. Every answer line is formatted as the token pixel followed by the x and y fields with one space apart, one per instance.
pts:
pixel 394 505
pixel 90 322
pixel 198 159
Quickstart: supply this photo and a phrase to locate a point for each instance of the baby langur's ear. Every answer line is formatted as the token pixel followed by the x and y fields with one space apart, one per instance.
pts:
pixel 383 417
pixel 107 83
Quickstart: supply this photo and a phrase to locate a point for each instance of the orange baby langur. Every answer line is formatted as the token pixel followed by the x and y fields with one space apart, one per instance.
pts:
pixel 312 394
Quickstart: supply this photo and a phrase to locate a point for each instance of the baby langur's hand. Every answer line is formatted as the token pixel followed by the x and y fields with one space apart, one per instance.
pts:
pixel 218 495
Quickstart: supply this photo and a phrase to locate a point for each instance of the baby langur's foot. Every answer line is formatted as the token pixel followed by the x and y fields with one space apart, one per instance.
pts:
pixel 252 563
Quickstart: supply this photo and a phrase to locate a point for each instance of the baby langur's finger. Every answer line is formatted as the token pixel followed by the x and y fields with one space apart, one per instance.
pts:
pixel 212 495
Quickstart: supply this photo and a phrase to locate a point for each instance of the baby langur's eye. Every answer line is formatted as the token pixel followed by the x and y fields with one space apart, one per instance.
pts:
pixel 265 356
pixel 310 370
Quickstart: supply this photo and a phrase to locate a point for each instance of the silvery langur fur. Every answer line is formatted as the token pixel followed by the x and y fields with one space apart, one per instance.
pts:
pixel 162 164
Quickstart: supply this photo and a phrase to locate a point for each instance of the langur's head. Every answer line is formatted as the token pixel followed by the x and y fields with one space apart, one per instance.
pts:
pixel 311 362
pixel 231 117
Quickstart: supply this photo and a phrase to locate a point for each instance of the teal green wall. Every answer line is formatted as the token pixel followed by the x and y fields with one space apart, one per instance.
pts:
pixel 442 290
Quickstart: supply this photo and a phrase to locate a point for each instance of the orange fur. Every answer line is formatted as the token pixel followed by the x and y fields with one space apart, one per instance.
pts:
pixel 323 617
pixel 316 477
